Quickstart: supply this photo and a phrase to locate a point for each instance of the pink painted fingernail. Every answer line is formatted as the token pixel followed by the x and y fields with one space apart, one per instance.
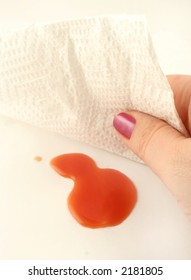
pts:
pixel 124 124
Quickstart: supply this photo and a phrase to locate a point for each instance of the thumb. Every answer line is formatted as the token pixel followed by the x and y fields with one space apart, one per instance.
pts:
pixel 166 151
pixel 153 140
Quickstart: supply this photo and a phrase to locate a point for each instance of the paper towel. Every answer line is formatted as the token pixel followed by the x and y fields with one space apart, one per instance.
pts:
pixel 72 77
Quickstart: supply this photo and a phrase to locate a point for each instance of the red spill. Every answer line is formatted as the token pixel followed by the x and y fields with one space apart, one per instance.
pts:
pixel 100 197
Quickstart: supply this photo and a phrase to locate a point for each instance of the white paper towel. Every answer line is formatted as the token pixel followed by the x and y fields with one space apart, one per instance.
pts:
pixel 72 77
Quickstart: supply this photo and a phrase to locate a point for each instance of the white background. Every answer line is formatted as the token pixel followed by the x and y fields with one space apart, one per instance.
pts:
pixel 34 219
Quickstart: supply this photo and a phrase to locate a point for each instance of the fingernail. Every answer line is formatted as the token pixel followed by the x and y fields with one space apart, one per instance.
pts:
pixel 124 124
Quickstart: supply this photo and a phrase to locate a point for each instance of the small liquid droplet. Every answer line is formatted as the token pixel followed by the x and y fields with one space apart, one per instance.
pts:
pixel 38 158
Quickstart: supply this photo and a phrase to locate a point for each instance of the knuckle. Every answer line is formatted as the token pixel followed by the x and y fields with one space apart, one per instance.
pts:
pixel 147 136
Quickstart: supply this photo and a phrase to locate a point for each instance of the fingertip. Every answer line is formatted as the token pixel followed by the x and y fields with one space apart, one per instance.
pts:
pixel 124 123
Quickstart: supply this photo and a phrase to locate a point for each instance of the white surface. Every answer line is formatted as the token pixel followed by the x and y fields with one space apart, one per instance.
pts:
pixel 35 222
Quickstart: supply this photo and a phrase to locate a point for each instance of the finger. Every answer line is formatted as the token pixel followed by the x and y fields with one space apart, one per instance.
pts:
pixel 181 87
pixel 164 150
pixel 151 139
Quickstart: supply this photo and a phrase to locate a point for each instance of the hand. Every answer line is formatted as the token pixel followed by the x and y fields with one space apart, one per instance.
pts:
pixel 165 150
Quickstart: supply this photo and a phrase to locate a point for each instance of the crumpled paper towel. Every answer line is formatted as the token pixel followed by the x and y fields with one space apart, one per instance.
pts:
pixel 72 77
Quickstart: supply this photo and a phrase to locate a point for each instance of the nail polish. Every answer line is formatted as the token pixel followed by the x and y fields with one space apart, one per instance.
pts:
pixel 124 124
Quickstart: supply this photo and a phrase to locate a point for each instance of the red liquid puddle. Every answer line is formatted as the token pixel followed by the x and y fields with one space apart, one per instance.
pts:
pixel 100 197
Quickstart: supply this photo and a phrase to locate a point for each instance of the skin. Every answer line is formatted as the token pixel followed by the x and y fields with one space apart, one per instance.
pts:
pixel 181 86
pixel 165 150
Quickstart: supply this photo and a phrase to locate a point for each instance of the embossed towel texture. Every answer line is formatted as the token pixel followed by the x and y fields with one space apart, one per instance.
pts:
pixel 72 77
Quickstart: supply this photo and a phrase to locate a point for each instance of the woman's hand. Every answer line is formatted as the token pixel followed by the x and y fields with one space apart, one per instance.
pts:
pixel 165 150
